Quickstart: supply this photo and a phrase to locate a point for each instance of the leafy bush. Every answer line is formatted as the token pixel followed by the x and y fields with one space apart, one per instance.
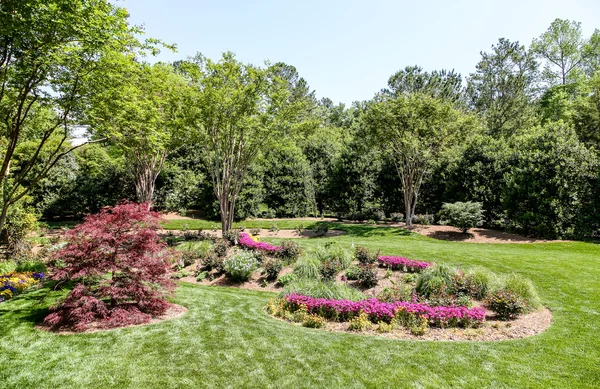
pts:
pixel 329 269
pixel 290 251
pixel 232 236
pixel 353 272
pixel 476 283
pixel 425 219
pixel 360 322
pixel 7 267
pixel 255 231
pixel 435 280
pixel 272 267
pixel 394 293
pixel 507 304
pixel 274 228
pixel 201 276
pixel 321 229
pixel 363 255
pixel 410 278
pixel 20 221
pixel 189 258
pixel 287 279
pixel 378 216
pixel 202 248
pixel 118 267
pixel 334 251
pixel 462 215
pixel 221 247
pixel 308 267
pixel 368 276
pixel 396 217
pixel 212 262
pixel 240 265
pixel 320 289
pixel 313 321
pixel 33 266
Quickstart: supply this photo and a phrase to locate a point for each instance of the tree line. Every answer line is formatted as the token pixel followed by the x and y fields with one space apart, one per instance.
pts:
pixel 234 140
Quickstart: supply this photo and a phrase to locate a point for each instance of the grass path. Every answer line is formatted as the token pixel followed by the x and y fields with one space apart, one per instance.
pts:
pixel 226 339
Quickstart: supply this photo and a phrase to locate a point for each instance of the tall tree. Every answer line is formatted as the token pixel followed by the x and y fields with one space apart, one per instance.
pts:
pixel 503 86
pixel 565 51
pixel 416 130
pixel 49 55
pixel 442 84
pixel 238 109
pixel 142 110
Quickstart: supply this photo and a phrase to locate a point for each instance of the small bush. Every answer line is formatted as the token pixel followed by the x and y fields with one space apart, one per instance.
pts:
pixel 189 258
pixel 287 279
pixel 378 216
pixel 290 251
pixel 255 231
pixel 410 278
pixel 364 256
pixel 313 321
pixel 507 304
pixel 462 215
pixel 396 217
pixel 523 288
pixel 321 229
pixel 221 247
pixel 435 280
pixel 240 265
pixel 368 276
pixel 201 276
pixel 419 327
pixel 425 219
pixel 201 248
pixel 383 327
pixel 329 269
pixel 464 300
pixel 212 262
pixel 308 267
pixel 274 228
pixel 232 236
pixel 360 322
pixel 353 272
pixel 34 266
pixel 272 267
pixel 392 294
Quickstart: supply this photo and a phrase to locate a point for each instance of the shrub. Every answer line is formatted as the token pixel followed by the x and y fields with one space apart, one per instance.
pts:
pixel 523 288
pixel 212 261
pixel 506 304
pixel 379 216
pixel 189 258
pixel 221 247
pixel 368 276
pixel 272 267
pixel 232 236
pixel 201 276
pixel 360 322
pixel 334 251
pixel 410 278
pixel 353 272
pixel 419 327
pixel 240 265
pixel 286 279
pixel 383 327
pixel 274 228
pixel 321 229
pixel 396 217
pixel 425 219
pixel 118 266
pixel 329 269
pixel 255 231
pixel 320 289
pixel 391 294
pixel 313 321
pixel 476 283
pixel 435 280
pixel 462 215
pixel 363 255
pixel 290 251
pixel 308 267
pixel 31 265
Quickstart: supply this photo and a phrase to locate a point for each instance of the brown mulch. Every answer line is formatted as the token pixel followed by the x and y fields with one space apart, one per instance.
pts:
pixel 173 312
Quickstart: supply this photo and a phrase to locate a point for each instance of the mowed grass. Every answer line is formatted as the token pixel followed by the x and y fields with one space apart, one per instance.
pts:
pixel 227 340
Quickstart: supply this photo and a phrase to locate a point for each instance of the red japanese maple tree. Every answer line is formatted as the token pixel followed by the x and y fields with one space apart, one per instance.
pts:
pixel 119 269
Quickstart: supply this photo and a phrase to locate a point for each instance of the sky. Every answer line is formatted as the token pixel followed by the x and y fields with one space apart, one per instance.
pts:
pixel 347 50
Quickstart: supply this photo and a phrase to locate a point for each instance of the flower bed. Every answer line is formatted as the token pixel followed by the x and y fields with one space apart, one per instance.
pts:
pixel 344 310
pixel 14 283
pixel 402 263
pixel 249 243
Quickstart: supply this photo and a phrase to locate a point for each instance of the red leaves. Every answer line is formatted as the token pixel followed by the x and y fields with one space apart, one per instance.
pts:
pixel 119 267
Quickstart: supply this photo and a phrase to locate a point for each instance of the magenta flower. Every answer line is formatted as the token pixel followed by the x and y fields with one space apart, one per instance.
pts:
pixel 247 242
pixel 402 263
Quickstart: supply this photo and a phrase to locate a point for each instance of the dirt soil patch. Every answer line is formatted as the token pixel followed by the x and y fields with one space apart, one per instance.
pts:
pixel 264 233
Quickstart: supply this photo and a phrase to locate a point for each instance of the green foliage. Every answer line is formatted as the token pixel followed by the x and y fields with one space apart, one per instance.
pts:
pixel 333 251
pixel 319 289
pixel 476 282
pixel 368 276
pixel 290 251
pixel 360 322
pixel 523 288
pixel 221 247
pixel 329 269
pixel 321 229
pixel 308 266
pixel 287 279
pixel 313 321
pixel 463 215
pixel 240 265
pixel 353 272
pixel 396 293
pixel 435 280
pixel 272 267
pixel 364 256
pixel 506 303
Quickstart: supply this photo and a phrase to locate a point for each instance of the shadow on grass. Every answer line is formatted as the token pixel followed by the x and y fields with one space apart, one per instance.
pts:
pixel 369 230
pixel 454 236
pixel 29 308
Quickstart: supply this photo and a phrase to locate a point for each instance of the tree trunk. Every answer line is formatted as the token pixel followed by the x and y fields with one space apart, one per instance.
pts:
pixel 3 215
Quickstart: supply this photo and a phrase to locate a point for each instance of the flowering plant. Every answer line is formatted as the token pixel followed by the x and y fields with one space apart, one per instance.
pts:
pixel 402 263
pixel 344 310
pixel 240 265
pixel 13 283
pixel 247 242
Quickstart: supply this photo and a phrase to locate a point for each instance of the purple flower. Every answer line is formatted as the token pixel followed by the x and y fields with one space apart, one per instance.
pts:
pixel 398 263
pixel 247 242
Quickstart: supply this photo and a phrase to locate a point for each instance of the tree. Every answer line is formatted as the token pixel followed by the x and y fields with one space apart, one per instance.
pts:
pixel 117 263
pixel 239 109
pixel 142 109
pixel 503 87
pixel 49 55
pixel 586 116
pixel 565 51
pixel 416 130
pixel 412 79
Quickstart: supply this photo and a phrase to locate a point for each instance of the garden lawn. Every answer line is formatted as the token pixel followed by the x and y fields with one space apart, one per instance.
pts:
pixel 227 340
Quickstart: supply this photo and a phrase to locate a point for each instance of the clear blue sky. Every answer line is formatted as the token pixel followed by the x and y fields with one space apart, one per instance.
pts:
pixel 347 50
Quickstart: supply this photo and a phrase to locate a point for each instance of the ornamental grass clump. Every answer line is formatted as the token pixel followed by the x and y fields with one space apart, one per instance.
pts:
pixel 308 267
pixel 118 267
pixel 436 280
pixel 240 265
